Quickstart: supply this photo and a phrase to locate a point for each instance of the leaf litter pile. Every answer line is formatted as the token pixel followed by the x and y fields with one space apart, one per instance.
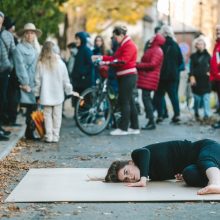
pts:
pixel 12 169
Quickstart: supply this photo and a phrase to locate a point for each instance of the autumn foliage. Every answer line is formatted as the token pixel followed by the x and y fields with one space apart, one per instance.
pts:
pixel 99 14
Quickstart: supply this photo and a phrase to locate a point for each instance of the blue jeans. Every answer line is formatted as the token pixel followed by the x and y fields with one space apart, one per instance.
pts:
pixel 203 100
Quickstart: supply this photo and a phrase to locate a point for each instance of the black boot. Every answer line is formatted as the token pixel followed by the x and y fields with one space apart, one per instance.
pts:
pixel 6 133
pixel 176 119
pixel 159 119
pixel 216 125
pixel 29 133
pixel 3 137
pixel 150 125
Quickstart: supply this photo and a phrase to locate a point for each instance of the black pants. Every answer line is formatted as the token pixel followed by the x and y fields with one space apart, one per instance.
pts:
pixel 157 105
pixel 129 115
pixel 171 87
pixel 209 156
pixel 13 98
pixel 29 133
pixel 3 94
pixel 148 104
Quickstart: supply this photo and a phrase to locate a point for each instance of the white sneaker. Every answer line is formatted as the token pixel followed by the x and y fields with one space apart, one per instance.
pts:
pixel 55 140
pixel 133 131
pixel 118 131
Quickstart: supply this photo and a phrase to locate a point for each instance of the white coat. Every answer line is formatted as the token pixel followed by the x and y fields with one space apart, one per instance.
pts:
pixel 50 86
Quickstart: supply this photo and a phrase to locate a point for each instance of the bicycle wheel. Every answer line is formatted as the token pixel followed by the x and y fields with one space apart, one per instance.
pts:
pixel 93 112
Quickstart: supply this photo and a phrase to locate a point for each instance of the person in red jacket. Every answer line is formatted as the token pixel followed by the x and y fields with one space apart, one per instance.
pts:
pixel 149 74
pixel 215 70
pixel 126 74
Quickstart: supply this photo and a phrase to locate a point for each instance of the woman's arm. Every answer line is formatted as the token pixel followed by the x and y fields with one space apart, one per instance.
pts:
pixel 156 59
pixel 21 71
pixel 88 61
pixel 37 81
pixel 141 158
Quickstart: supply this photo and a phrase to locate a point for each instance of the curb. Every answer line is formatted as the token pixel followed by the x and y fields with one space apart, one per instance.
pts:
pixel 7 146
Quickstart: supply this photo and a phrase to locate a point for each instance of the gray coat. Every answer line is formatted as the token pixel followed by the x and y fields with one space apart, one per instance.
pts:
pixel 7 45
pixel 25 59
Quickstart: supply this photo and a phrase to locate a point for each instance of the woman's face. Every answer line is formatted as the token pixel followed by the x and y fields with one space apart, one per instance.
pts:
pixel 98 42
pixel 200 45
pixel 29 36
pixel 129 173
pixel 118 38
pixel 78 42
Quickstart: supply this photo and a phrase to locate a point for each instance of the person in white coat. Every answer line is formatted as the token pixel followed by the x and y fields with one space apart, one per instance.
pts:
pixel 51 82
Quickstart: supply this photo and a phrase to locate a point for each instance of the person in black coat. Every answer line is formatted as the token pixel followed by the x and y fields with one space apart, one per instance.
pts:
pixel 170 74
pixel 83 67
pixel 13 92
pixel 197 163
pixel 199 78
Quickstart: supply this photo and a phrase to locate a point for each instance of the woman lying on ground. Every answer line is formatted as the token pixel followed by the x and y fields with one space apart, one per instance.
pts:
pixel 197 163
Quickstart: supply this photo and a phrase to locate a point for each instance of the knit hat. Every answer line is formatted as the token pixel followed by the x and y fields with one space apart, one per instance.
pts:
pixel 8 23
pixel 30 27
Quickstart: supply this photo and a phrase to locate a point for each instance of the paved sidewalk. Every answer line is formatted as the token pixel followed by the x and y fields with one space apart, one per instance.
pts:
pixel 16 134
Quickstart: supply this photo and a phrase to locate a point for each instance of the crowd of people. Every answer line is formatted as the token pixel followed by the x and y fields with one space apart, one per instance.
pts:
pixel 39 76
pixel 33 75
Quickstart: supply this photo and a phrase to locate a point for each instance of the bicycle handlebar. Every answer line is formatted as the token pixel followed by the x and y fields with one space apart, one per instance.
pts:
pixel 100 62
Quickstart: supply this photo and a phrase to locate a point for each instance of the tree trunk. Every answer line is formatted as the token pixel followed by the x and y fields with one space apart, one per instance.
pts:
pixel 76 22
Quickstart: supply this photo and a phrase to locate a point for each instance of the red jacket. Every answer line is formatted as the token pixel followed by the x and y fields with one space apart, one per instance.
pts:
pixel 150 65
pixel 126 52
pixel 215 63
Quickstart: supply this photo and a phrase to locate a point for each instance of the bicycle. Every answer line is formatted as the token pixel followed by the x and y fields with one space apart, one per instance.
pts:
pixel 98 107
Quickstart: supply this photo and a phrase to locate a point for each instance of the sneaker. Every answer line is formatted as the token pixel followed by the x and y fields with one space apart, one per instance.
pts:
pixel 55 140
pixel 48 141
pixel 118 131
pixel 133 131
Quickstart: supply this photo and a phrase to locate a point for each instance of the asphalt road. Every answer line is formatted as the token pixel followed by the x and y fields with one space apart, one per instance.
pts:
pixel 79 150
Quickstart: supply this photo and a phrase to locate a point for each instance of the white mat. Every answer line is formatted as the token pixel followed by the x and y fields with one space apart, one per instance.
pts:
pixel 71 184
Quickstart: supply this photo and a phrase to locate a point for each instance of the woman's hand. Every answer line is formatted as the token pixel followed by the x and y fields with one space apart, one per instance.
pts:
pixel 96 57
pixel 192 80
pixel 141 183
pixel 75 94
pixel 25 88
pixel 179 177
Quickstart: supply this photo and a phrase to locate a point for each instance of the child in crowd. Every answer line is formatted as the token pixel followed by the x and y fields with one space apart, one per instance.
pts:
pixel 52 81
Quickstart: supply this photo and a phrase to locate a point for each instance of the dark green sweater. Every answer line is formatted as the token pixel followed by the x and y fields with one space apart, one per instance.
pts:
pixel 163 161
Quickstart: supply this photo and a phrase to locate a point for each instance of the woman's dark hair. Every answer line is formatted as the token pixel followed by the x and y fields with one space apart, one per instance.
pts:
pixel 102 48
pixel 112 174
pixel 118 30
